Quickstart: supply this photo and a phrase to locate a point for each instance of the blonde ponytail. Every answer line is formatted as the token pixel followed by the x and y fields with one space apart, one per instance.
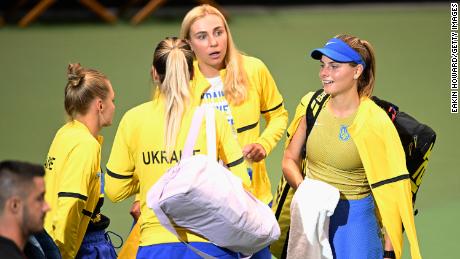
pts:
pixel 173 62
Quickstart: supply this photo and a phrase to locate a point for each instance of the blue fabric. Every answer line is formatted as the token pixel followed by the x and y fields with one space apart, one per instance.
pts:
pixel 96 245
pixel 250 173
pixel 354 232
pixel 102 174
pixel 179 251
pixel 339 51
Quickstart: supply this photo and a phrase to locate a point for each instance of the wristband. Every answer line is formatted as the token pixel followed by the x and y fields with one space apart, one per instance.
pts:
pixel 389 254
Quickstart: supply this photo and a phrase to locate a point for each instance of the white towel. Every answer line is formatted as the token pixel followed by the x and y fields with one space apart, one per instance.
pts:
pixel 312 205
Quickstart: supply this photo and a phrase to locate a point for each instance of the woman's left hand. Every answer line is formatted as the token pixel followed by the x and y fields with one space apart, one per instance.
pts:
pixel 254 152
pixel 135 210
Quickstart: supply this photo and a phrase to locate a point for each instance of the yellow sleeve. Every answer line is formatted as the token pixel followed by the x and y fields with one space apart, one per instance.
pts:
pixel 383 158
pixel 401 191
pixel 121 181
pixel 70 222
pixel 229 150
pixel 272 108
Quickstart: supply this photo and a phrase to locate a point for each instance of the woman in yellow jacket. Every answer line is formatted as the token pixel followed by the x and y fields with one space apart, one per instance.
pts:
pixel 149 141
pixel 242 87
pixel 74 180
pixel 354 146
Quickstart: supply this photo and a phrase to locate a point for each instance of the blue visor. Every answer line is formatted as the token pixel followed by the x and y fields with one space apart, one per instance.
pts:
pixel 339 51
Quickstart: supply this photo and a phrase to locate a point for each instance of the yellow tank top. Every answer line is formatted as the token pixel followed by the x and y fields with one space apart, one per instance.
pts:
pixel 333 157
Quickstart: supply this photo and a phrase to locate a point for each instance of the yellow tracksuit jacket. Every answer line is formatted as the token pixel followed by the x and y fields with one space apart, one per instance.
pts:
pixel 263 99
pixel 73 185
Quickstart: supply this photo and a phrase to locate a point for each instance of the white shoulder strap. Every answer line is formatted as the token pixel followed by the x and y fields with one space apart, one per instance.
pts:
pixel 195 129
pixel 211 132
pixel 193 132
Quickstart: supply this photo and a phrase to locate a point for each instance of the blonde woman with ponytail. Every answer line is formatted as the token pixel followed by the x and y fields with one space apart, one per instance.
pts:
pixel 149 141
pixel 242 87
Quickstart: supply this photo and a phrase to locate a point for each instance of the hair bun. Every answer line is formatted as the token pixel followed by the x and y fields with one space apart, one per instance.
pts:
pixel 74 75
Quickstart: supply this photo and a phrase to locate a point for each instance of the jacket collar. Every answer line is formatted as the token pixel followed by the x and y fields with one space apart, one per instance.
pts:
pixel 199 83
pixel 80 126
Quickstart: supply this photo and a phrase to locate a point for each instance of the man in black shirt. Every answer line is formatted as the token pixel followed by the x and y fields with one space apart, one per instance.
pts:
pixel 22 206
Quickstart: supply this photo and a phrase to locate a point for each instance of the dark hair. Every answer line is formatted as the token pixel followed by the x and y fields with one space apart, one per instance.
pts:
pixel 83 85
pixel 16 177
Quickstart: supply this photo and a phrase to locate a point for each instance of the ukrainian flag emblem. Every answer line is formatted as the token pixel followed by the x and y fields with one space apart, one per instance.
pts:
pixel 343 134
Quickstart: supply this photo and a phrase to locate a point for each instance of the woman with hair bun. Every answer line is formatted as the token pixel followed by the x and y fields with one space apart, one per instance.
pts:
pixel 74 179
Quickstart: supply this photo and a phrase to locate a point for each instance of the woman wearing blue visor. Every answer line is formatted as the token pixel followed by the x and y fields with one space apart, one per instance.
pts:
pixel 354 147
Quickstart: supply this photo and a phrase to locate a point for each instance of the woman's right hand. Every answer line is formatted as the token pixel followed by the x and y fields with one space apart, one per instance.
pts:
pixel 135 210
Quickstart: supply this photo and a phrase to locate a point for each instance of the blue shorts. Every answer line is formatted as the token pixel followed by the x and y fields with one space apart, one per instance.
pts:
pixel 96 245
pixel 180 250
pixel 354 232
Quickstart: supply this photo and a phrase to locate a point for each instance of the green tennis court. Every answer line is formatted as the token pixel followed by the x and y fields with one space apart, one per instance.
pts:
pixel 411 41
